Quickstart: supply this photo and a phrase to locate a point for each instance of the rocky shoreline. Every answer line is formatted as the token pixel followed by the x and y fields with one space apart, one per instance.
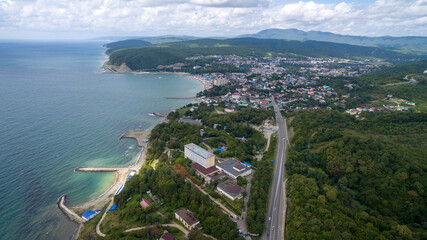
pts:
pixel 123 68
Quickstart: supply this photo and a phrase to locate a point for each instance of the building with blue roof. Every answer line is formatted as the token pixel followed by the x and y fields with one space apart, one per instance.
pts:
pixel 88 215
pixel 113 208
pixel 131 173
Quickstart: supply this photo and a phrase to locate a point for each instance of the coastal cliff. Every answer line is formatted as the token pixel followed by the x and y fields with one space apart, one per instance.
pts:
pixel 123 68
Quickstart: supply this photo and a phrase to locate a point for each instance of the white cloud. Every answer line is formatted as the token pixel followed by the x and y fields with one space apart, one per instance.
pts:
pixel 210 17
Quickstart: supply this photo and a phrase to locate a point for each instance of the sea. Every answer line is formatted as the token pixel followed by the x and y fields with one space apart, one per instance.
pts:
pixel 59 111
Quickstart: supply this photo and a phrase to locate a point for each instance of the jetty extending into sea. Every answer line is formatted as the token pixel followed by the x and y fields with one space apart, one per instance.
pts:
pixel 122 174
pixel 139 136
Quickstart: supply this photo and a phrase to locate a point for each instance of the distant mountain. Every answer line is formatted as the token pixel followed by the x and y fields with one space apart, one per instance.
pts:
pixel 167 39
pixel 417 44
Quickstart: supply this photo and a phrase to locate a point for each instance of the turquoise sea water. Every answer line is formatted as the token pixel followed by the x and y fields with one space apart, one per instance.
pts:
pixel 58 111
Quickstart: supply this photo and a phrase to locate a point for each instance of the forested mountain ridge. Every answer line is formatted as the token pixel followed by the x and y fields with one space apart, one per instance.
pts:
pixel 125 44
pixel 412 43
pixel 149 57
pixel 353 179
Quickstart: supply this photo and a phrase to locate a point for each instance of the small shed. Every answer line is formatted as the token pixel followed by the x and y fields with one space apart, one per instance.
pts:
pixel 113 207
pixel 144 203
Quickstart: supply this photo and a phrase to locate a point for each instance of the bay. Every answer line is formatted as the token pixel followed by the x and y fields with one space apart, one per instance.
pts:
pixel 59 111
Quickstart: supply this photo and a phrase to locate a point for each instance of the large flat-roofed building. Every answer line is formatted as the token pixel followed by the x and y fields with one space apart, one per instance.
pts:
pixel 199 155
pixel 234 168
pixel 187 218
pixel 230 189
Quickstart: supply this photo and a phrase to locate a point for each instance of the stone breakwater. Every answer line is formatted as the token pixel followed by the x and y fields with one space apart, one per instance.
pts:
pixel 139 136
pixel 107 196
pixel 71 215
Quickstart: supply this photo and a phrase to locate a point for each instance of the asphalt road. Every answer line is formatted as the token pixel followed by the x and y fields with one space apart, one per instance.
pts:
pixel 276 209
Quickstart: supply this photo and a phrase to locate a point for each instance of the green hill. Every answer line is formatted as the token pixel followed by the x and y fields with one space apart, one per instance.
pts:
pixel 148 58
pixel 357 179
pixel 418 44
pixel 125 44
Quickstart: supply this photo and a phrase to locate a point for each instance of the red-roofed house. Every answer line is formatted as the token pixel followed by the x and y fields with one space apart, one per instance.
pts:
pixel 230 189
pixel 167 236
pixel 236 96
pixel 204 172
pixel 144 203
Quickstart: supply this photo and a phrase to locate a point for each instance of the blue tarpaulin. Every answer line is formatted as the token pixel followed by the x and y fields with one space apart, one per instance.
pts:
pixel 113 207
pixel 247 164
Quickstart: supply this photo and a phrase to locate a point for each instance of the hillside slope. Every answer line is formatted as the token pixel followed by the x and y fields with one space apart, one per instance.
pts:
pixel 357 179
pixel 418 44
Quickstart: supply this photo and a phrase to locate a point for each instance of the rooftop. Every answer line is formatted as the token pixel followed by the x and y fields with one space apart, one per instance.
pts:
pixel 218 176
pixel 144 203
pixel 231 188
pixel 88 214
pixel 191 121
pixel 202 170
pixel 167 236
pixel 233 167
pixel 187 216
pixel 198 150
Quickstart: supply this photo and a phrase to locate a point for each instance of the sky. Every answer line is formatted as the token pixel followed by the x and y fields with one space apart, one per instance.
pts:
pixel 83 19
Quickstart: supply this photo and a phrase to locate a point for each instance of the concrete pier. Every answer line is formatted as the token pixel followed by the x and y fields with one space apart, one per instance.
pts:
pixel 98 169
pixel 160 114
pixel 139 136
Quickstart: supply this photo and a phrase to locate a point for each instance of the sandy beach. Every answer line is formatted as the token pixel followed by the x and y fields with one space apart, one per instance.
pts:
pixel 108 68
pixel 121 174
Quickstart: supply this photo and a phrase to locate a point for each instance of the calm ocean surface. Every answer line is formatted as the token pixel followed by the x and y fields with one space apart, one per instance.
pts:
pixel 58 111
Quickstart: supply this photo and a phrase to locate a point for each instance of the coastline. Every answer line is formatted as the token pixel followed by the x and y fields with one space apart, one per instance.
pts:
pixel 120 173
pixel 123 69
pixel 120 178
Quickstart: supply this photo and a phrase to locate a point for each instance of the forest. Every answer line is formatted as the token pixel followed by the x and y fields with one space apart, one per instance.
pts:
pixel 357 179
pixel 260 189
pixel 230 129
pixel 174 193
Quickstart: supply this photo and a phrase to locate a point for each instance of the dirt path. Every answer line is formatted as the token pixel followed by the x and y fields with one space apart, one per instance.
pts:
pixel 226 210
pixel 241 224
pixel 175 225
pixel 98 230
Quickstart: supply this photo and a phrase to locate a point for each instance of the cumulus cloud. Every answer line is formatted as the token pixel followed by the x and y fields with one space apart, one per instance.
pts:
pixel 211 17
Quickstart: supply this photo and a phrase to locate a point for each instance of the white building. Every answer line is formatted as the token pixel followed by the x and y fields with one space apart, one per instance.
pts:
pixel 199 155
pixel 221 81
